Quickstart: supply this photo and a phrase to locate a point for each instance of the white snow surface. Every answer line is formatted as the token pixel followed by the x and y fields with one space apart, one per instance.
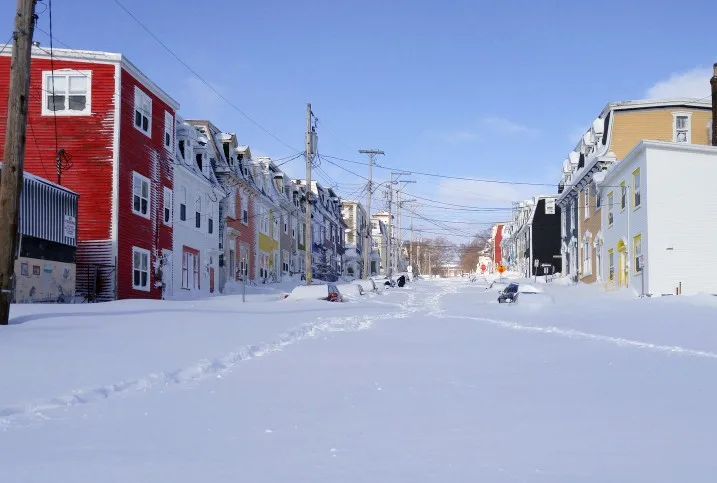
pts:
pixel 433 382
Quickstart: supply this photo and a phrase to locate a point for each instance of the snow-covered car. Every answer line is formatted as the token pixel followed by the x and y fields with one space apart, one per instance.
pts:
pixel 498 285
pixel 350 289
pixel 384 281
pixel 509 294
pixel 329 292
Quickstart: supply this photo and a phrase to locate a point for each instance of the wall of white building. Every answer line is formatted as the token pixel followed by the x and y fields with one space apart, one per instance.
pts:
pixel 190 278
pixel 674 222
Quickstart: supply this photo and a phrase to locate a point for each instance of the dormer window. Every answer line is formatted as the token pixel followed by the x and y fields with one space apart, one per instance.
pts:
pixel 199 158
pixel 181 148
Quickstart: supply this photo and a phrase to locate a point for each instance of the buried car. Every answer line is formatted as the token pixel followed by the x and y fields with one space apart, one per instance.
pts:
pixel 509 294
pixel 329 292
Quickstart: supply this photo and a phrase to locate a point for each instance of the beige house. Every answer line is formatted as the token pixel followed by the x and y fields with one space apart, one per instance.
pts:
pixel 618 129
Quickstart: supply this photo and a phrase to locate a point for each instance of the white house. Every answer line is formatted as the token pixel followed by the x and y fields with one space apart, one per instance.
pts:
pixel 659 219
pixel 355 235
pixel 379 232
pixel 196 240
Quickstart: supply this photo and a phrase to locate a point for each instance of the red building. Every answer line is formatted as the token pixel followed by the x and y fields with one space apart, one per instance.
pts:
pixel 497 238
pixel 113 130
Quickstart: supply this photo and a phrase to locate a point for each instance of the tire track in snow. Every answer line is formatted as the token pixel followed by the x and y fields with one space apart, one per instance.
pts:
pixel 13 416
pixel 576 334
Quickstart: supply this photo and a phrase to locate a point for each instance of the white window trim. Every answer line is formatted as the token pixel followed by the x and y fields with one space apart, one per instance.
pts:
pixel 168 129
pixel 147 216
pixel 142 251
pixel 138 93
pixel 688 115
pixel 586 200
pixel 46 92
pixel 168 203
pixel 245 209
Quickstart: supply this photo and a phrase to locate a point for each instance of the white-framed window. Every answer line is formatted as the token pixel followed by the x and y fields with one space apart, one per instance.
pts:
pixel 182 203
pixel 140 269
pixel 168 130
pixel 637 252
pixel 198 212
pixel 276 232
pixel 562 224
pixel 587 202
pixel 142 111
pixel 210 213
pixel 285 261
pixel 286 225
pixel 623 196
pixel 67 92
pixel 636 189
pixel 140 195
pixel 232 204
pixel 610 203
pixel 167 212
pixel 245 209
pixel 682 127
pixel 293 227
pixel 611 264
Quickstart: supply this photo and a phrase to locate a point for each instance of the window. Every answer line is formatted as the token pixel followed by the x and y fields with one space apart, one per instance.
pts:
pixel 587 202
pixel 198 212
pixel 66 93
pixel 140 195
pixel 210 215
pixel 168 130
pixel 232 204
pixel 636 188
pixel 611 264
pixel 200 161
pixel 610 215
pixel 167 218
pixel 637 252
pixel 598 202
pixel 181 148
pixel 286 225
pixel 190 268
pixel 623 196
pixel 681 127
pixel 285 261
pixel 140 269
pixel 182 203
pixel 232 264
pixel 142 112
pixel 245 209
pixel 276 228
pixel 293 228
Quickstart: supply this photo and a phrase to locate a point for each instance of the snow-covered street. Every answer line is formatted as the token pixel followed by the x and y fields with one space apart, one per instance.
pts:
pixel 434 382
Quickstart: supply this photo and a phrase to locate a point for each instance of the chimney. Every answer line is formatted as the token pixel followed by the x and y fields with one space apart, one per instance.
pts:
pixel 713 81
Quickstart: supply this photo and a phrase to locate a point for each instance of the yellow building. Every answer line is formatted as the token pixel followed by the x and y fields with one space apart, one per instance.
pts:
pixel 619 128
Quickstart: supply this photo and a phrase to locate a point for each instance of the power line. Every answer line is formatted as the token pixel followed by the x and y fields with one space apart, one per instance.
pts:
pixel 194 72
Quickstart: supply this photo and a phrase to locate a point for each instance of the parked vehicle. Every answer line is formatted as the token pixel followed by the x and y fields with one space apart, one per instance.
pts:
pixel 329 292
pixel 509 293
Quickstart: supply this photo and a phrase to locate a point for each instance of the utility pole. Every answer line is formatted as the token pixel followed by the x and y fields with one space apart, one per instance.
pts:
pixel 310 151
pixel 390 226
pixel 14 152
pixel 367 248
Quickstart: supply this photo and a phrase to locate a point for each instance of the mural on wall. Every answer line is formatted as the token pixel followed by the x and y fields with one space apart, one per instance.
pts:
pixel 48 282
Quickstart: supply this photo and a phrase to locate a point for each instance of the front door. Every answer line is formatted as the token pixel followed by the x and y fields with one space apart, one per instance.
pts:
pixel 211 279
pixel 167 274
pixel 622 274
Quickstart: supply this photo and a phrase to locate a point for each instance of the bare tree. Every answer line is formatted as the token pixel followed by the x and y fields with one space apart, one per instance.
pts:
pixel 469 253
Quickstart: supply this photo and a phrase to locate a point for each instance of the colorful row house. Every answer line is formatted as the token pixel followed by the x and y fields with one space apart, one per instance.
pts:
pixel 586 204
pixel 166 207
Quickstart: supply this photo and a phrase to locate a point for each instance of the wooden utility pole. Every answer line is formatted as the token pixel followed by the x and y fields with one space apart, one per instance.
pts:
pixel 367 248
pixel 310 148
pixel 14 153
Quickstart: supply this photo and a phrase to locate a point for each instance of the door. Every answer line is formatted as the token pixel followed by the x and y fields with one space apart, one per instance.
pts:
pixel 211 279
pixel 622 274
pixel 167 274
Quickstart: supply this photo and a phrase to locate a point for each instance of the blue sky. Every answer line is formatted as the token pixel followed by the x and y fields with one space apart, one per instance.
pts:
pixel 498 90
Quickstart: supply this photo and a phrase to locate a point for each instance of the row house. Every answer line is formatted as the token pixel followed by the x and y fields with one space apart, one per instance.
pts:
pixel 619 127
pixel 356 237
pixel 659 232
pixel 530 243
pixel 380 234
pixel 193 267
pixel 111 127
pixel 327 231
